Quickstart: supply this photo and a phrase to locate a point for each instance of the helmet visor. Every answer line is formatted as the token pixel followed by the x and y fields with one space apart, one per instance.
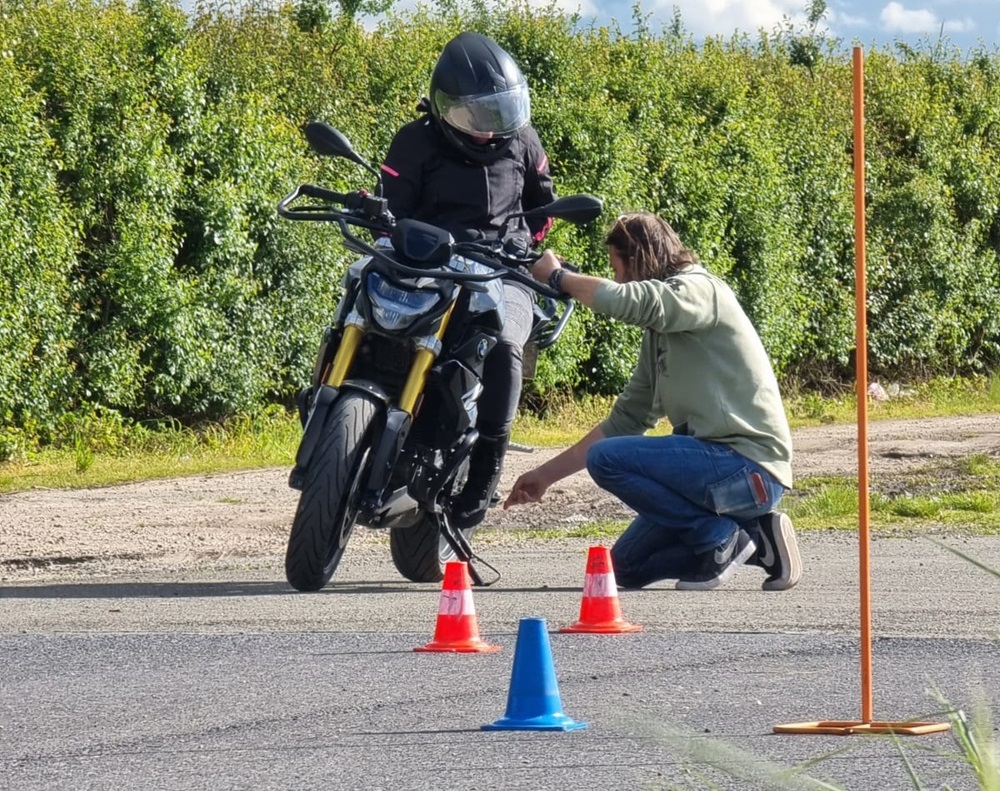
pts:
pixel 487 115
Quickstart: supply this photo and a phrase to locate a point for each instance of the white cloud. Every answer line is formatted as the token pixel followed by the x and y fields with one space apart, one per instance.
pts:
pixel 837 18
pixel 585 8
pixel 959 25
pixel 897 19
pixel 724 17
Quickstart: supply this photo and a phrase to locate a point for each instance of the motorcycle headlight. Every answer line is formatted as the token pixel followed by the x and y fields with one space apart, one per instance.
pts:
pixel 395 308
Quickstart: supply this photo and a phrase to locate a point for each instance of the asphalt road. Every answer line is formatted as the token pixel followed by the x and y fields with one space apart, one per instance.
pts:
pixel 230 681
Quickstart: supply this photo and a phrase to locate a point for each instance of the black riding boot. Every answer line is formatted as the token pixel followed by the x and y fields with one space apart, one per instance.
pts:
pixel 485 465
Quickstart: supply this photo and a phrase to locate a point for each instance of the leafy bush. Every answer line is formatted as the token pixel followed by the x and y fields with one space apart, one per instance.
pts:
pixel 142 153
pixel 38 243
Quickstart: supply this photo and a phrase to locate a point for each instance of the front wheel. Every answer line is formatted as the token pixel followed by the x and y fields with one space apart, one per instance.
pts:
pixel 328 506
pixel 420 552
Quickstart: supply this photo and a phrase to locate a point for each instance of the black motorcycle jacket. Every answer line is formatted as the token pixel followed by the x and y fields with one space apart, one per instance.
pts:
pixel 426 178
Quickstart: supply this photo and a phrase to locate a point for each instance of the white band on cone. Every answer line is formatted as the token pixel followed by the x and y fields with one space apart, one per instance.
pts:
pixel 456 602
pixel 600 586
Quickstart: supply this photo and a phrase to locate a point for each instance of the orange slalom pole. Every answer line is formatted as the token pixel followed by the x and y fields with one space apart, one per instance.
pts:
pixel 861 365
pixel 866 723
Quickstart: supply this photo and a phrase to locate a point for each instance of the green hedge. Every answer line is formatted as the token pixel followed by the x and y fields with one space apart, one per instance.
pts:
pixel 142 153
pixel 37 254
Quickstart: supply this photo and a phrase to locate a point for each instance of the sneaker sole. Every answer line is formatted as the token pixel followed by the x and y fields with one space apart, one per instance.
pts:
pixel 787 547
pixel 727 572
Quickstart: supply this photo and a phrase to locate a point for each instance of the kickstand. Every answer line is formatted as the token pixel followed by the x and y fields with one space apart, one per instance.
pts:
pixel 463 551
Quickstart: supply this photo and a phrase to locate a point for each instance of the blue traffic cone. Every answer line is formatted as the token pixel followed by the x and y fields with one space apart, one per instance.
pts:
pixel 533 702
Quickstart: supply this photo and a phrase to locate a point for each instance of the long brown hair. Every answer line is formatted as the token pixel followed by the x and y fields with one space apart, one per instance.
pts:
pixel 649 247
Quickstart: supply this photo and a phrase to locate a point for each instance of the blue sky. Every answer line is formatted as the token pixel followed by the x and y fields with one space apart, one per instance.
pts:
pixel 869 23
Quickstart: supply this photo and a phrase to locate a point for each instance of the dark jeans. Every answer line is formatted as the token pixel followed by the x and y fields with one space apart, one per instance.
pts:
pixel 502 369
pixel 689 497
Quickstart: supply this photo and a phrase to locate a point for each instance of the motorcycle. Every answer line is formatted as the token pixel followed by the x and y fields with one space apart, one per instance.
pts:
pixel 389 416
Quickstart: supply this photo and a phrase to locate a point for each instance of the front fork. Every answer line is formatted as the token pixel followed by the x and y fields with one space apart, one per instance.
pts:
pixel 416 380
pixel 413 388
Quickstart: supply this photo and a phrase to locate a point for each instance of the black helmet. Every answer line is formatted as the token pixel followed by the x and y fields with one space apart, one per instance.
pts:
pixel 479 96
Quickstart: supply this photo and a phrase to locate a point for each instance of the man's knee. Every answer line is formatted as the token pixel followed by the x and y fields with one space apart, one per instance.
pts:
pixel 595 457
pixel 599 465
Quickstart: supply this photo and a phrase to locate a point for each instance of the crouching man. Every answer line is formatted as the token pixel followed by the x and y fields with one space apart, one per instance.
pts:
pixel 705 496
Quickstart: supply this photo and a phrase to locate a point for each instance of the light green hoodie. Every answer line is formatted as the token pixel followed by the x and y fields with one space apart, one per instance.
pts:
pixel 701 365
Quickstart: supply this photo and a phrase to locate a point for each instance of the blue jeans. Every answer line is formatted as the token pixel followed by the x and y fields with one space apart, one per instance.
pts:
pixel 689 496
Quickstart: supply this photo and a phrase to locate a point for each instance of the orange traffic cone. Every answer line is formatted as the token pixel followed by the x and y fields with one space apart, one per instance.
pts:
pixel 600 612
pixel 457 630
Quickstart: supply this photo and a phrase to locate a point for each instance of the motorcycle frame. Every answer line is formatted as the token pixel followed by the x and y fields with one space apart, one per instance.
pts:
pixel 399 415
pixel 370 211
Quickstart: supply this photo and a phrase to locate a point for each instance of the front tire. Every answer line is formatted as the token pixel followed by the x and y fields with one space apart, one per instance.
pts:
pixel 420 552
pixel 328 506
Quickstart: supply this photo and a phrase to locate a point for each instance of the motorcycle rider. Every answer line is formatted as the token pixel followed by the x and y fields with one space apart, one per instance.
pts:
pixel 472 159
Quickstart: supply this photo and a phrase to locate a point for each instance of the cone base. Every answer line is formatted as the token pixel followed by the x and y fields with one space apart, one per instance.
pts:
pixel 553 722
pixel 601 627
pixel 474 646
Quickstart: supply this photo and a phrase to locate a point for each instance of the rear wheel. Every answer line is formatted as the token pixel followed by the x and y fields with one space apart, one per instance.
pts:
pixel 328 505
pixel 420 552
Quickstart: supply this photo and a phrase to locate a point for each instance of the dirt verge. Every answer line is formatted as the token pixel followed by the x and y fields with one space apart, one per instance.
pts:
pixel 242 519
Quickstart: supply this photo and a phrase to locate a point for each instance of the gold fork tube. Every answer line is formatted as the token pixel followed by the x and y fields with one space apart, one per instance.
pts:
pixel 344 357
pixel 422 362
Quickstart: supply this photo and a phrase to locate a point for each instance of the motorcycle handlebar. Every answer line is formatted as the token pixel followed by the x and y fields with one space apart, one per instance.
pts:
pixel 366 211
pixel 321 193
pixel 357 208
pixel 495 254
pixel 501 270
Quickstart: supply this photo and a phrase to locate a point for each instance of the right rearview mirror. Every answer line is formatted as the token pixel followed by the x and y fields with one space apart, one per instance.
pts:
pixel 577 209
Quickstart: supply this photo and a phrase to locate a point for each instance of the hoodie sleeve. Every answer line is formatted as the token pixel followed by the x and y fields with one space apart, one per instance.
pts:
pixel 682 303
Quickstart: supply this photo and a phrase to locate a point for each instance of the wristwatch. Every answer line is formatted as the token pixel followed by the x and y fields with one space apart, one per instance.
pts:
pixel 555 280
